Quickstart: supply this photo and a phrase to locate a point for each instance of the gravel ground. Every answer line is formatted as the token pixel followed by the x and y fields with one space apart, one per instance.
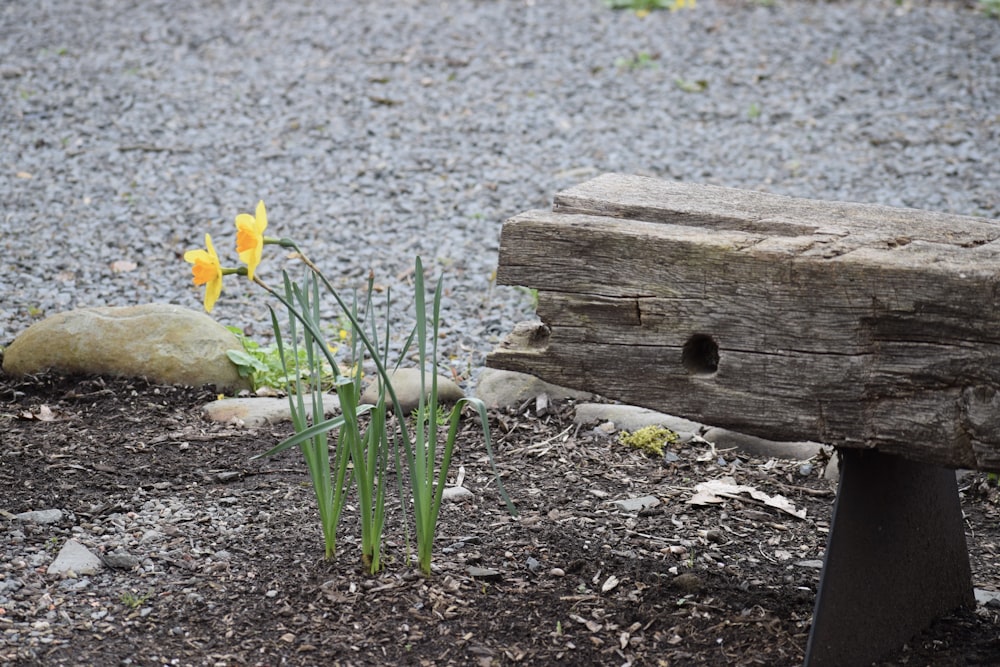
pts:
pixel 378 132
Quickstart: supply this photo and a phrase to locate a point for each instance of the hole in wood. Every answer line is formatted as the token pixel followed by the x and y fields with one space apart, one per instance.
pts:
pixel 700 355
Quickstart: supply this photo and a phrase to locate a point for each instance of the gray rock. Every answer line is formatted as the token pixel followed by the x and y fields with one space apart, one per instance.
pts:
pixel 637 504
pixel 162 342
pixel 985 597
pixel 120 560
pixel 456 494
pixel 631 418
pixel 813 563
pixel 760 447
pixel 406 383
pixel 40 516
pixel 74 557
pixel 501 389
pixel 832 470
pixel 259 411
pixel 486 573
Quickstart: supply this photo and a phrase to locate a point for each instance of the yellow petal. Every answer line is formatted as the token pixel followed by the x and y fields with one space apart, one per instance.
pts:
pixel 250 237
pixel 207 271
pixel 261 217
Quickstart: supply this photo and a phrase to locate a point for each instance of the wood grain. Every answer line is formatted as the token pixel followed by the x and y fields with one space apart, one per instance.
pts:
pixel 851 324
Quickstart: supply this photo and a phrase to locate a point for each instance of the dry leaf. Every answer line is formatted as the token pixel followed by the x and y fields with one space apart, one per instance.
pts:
pixel 44 414
pixel 592 625
pixel 717 490
pixel 610 584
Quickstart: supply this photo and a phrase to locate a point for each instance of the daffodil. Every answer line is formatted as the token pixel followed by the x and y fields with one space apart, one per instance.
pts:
pixel 250 237
pixel 207 271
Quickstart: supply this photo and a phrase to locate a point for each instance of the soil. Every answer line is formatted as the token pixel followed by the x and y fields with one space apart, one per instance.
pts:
pixel 236 576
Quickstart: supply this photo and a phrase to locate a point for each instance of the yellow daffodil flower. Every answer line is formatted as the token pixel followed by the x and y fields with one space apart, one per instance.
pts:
pixel 207 271
pixel 250 237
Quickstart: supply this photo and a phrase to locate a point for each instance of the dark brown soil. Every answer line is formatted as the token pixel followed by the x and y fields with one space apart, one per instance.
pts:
pixel 107 448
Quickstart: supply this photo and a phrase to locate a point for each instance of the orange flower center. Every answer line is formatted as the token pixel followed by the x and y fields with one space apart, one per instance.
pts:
pixel 203 273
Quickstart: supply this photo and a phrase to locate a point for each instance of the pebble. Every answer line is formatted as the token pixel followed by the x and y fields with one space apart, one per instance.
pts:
pixel 40 516
pixel 486 573
pixel 74 559
pixel 406 383
pixel 456 494
pixel 637 504
pixel 121 560
pixel 501 389
pixel 259 411
pixel 715 536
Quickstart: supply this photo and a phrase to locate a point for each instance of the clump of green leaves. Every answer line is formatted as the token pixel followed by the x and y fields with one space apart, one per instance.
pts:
pixel 641 60
pixel 646 6
pixel 650 439
pixel 265 366
pixel 133 600
pixel 990 7
pixel 691 85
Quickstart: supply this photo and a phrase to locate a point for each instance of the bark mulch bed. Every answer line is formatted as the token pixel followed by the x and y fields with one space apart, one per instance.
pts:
pixel 228 566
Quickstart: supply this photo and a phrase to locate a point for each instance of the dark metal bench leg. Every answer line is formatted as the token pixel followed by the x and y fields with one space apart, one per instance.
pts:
pixel 896 559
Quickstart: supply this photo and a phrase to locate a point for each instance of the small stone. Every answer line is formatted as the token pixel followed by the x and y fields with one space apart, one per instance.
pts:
pixel 40 516
pixel 605 430
pixel 151 536
pixel 688 582
pixel 715 536
pixel 260 411
pixel 456 494
pixel 162 342
pixel 120 560
pixel 10 72
pixel 74 558
pixel 502 389
pixel 406 384
pixel 557 572
pixel 637 504
pixel 760 447
pixel 533 564
pixel 485 573
pixel 805 469
pixel 632 418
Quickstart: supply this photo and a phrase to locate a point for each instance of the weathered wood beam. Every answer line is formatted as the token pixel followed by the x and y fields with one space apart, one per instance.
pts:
pixel 852 324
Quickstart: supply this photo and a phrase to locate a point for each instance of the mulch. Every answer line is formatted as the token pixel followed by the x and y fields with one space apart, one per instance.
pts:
pixel 230 553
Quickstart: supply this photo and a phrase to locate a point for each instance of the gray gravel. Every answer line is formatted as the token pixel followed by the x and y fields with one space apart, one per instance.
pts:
pixel 375 132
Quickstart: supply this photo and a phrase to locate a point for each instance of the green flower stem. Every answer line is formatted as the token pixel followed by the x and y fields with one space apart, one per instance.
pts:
pixel 372 349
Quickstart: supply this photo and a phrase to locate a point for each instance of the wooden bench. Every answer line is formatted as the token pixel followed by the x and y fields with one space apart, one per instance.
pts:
pixel 870 328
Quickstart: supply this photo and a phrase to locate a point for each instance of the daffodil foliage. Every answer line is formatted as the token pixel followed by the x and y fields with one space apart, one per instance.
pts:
pixel 345 452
